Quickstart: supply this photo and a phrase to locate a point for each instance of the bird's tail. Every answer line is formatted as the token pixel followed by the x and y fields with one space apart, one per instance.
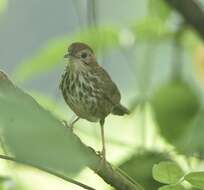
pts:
pixel 120 110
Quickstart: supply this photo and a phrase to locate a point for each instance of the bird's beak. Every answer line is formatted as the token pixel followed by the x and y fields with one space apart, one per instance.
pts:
pixel 66 55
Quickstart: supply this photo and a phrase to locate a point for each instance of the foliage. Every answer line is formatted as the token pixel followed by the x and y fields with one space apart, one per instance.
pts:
pixel 196 179
pixel 175 105
pixel 170 173
pixel 135 167
pixel 167 172
pixel 35 136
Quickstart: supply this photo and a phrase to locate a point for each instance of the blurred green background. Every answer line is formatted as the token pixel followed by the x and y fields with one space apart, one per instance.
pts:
pixel 151 53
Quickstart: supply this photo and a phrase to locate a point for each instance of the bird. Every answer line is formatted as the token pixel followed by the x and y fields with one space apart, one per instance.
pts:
pixel 88 89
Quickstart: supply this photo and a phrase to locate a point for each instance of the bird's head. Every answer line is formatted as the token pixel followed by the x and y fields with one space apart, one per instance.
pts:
pixel 80 55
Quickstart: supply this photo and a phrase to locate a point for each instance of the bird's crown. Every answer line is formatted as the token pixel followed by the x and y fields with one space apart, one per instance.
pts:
pixel 78 46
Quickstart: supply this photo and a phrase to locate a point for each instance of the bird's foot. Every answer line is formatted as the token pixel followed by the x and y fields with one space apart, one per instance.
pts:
pixel 102 162
pixel 101 154
pixel 70 126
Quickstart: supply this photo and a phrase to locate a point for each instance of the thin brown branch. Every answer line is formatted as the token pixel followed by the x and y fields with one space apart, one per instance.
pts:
pixel 113 176
pixel 191 11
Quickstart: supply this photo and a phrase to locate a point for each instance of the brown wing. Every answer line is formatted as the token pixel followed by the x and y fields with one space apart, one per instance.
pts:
pixel 111 92
pixel 107 86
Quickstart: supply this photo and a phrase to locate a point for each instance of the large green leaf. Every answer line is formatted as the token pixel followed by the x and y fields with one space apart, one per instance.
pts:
pixel 52 53
pixel 175 105
pixel 196 179
pixel 167 172
pixel 49 103
pixel 139 167
pixel 33 135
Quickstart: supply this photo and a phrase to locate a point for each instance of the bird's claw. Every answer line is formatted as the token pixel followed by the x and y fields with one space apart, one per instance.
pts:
pixel 70 126
pixel 102 161
pixel 101 154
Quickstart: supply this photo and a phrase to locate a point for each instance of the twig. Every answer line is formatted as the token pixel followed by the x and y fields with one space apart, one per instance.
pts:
pixel 48 171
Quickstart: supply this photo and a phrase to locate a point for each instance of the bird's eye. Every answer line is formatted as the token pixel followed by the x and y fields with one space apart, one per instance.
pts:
pixel 84 55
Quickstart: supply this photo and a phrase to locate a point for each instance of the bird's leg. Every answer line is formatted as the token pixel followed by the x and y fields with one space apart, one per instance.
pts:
pixel 71 124
pixel 103 152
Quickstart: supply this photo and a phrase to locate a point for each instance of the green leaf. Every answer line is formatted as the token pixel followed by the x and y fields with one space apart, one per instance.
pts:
pixel 52 53
pixel 49 103
pixel 173 187
pixel 175 105
pixel 33 135
pixel 135 167
pixel 167 172
pixel 196 179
